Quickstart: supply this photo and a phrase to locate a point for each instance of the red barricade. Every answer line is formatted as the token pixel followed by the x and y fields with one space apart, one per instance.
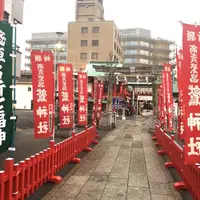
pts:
pixel 18 181
pixel 190 174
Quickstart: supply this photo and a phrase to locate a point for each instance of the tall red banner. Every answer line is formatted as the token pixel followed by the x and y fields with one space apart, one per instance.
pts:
pixel 82 98
pixel 169 98
pixel 2 5
pixel 180 81
pixel 100 87
pixel 94 102
pixel 43 93
pixel 191 93
pixel 164 115
pixel 66 95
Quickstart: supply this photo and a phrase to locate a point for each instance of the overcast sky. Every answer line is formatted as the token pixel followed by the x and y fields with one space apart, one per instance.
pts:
pixel 159 16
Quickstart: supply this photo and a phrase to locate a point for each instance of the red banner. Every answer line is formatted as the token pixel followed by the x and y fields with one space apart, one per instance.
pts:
pixel 164 116
pixel 169 98
pixel 100 87
pixel 191 93
pixel 43 93
pixel 180 81
pixel 159 103
pixel 82 98
pixel 94 102
pixel 2 5
pixel 66 95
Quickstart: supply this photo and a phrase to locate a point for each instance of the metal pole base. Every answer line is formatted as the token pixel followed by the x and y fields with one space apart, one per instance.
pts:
pixel 123 118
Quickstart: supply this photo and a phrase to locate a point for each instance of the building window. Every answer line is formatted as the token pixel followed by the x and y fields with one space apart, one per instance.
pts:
pixel 84 29
pixel 95 42
pixel 29 89
pixel 129 43
pixel 94 56
pixel 95 29
pixel 130 60
pixel 84 43
pixel 130 52
pixel 83 56
pixel 6 16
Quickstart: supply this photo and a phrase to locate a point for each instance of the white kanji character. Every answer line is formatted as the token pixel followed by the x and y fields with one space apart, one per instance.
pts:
pixel 67 69
pixel 191 36
pixel 193 49
pixel 2 137
pixel 2 119
pixel 194 93
pixel 38 58
pixel 42 94
pixel 65 108
pixel 82 99
pixel 82 118
pixel 40 67
pixel 193 58
pixel 194 68
pixel 82 108
pixel 42 111
pixel 181 128
pixel 43 127
pixel 66 120
pixel 99 108
pixel 47 58
pixel 194 146
pixel 194 78
pixel 2 59
pixel 65 96
pixel 194 121
pixel 2 38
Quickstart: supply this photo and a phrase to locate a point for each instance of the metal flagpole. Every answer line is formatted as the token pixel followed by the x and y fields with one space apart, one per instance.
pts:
pixel 74 102
pixel 14 91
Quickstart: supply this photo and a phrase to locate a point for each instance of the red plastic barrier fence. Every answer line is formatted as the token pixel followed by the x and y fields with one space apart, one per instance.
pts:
pixel 190 174
pixel 18 181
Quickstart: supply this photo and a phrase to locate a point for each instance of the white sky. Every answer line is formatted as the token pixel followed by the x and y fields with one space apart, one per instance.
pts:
pixel 159 16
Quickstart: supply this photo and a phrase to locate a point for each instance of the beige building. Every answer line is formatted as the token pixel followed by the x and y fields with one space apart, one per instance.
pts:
pixel 142 52
pixel 90 37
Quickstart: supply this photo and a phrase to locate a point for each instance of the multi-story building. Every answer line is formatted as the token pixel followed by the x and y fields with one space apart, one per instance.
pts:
pixel 91 37
pixel 141 51
pixel 13 12
pixel 55 41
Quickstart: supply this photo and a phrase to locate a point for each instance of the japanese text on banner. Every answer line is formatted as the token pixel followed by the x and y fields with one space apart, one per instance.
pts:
pixel 94 102
pixel 43 93
pixel 191 92
pixel 100 87
pixel 180 81
pixel 82 98
pixel 65 94
pixel 6 125
pixel 169 99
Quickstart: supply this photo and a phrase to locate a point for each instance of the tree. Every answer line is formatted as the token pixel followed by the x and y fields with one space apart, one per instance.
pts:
pixel 111 79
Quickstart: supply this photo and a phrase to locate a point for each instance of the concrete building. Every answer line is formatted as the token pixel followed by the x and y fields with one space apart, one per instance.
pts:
pixel 141 51
pixel 13 12
pixel 90 37
pixel 55 41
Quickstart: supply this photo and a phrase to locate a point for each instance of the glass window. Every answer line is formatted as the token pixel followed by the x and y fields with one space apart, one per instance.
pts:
pixel 95 42
pixel 84 29
pixel 83 56
pixel 84 43
pixel 95 29
pixel 129 43
pixel 130 60
pixel 130 52
pixel 94 56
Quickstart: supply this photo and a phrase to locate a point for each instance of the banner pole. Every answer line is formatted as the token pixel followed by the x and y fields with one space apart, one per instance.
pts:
pixel 55 87
pixel 74 102
pixel 14 91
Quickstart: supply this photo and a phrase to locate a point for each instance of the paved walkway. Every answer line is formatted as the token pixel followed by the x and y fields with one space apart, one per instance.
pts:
pixel 123 166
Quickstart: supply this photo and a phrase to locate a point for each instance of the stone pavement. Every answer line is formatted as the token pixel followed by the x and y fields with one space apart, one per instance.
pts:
pixel 122 166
